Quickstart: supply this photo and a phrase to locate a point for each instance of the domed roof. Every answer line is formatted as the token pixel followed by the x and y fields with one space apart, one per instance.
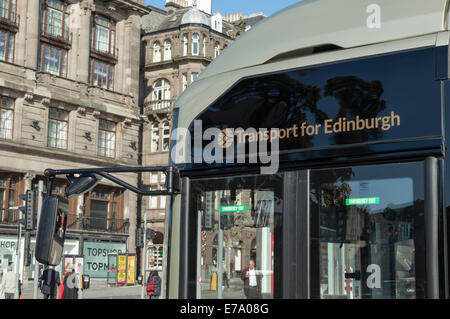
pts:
pixel 194 15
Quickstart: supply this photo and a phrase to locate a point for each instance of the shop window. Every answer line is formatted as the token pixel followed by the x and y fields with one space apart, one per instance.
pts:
pixel 6 117
pixel 58 123
pixel 107 139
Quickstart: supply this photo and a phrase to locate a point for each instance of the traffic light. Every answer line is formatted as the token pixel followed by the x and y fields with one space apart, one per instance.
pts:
pixel 208 214
pixel 52 230
pixel 28 209
pixel 139 237
pixel 226 220
pixel 150 234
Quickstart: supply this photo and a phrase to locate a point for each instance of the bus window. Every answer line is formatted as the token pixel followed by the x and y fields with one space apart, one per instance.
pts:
pixel 237 219
pixel 371 229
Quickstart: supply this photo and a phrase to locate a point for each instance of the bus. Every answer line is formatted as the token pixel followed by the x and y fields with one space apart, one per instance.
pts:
pixel 308 160
pixel 312 158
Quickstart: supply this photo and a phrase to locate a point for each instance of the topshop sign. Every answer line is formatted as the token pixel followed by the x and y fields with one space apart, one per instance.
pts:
pixel 96 257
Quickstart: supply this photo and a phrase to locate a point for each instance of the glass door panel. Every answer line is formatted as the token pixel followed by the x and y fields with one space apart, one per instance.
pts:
pixel 368 231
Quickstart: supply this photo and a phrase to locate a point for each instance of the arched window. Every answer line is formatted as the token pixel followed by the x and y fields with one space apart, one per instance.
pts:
pixel 195 44
pixel 165 136
pixel 185 45
pixel 156 52
pixel 154 138
pixel 216 50
pixel 161 94
pixel 167 50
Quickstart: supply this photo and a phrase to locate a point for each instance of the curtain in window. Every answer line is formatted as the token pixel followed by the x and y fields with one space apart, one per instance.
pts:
pixel 102 39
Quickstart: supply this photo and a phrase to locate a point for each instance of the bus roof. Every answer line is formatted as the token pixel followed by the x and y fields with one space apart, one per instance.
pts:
pixel 329 23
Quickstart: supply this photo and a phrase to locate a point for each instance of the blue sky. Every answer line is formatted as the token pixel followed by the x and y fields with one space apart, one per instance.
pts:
pixel 269 7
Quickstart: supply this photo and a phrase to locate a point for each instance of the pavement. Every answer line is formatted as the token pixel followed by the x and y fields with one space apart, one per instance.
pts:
pixel 98 290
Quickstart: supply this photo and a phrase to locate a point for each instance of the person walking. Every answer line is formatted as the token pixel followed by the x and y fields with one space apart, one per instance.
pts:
pixel 252 281
pixel 50 283
pixel 70 284
pixel 154 285
pixel 9 283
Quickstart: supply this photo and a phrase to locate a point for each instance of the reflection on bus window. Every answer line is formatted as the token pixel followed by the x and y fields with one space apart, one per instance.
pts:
pixel 237 237
pixel 371 231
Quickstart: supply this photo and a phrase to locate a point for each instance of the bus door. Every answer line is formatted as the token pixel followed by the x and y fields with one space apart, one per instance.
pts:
pixel 369 231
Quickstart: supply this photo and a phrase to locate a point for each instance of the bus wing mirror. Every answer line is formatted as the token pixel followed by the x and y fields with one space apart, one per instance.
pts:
pixel 52 230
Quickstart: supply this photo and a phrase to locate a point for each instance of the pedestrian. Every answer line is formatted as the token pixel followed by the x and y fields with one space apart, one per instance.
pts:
pixel 50 282
pixel 9 281
pixel 225 279
pixel 70 284
pixel 252 281
pixel 154 285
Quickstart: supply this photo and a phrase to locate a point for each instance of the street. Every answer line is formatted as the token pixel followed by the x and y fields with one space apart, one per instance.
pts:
pixel 98 290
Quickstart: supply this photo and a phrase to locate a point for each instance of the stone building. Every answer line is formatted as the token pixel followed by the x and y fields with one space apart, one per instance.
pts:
pixel 178 45
pixel 69 94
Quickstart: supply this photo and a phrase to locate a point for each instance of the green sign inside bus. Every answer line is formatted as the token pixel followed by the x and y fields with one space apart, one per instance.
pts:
pixel 234 208
pixel 362 201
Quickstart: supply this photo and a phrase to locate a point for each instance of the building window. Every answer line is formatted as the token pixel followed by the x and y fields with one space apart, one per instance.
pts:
pixel 194 76
pixel 161 95
pixel 104 209
pixel 102 74
pixel 53 60
pixel 154 138
pixel 55 19
pixel 104 35
pixel 195 44
pixel 185 45
pixel 58 122
pixel 6 117
pixel 216 50
pixel 165 136
pixel 185 82
pixel 107 139
pixel 204 45
pixel 156 52
pixel 8 10
pixel 167 50
pixel 6 46
pixel 10 188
